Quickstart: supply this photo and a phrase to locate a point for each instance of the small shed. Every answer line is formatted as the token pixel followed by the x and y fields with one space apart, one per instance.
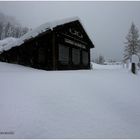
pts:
pixel 59 45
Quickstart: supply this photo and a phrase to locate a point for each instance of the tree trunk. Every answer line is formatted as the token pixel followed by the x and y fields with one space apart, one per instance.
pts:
pixel 133 68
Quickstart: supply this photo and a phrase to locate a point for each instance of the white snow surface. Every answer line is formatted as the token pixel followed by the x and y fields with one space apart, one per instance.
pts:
pixel 99 103
pixel 35 32
pixel 6 43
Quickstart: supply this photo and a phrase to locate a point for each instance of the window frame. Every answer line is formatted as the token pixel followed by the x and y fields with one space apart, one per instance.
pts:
pixel 73 55
pixel 65 57
pixel 83 58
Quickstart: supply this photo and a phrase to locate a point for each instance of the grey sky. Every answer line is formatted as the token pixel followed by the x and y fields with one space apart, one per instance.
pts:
pixel 107 23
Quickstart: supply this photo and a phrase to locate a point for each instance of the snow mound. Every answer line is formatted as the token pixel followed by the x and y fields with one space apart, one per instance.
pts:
pixel 95 66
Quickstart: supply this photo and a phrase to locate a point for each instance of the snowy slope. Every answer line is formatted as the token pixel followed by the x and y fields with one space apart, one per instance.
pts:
pixel 99 103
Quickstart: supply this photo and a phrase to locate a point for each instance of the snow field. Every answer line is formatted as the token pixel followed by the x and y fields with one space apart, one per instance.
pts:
pixel 99 103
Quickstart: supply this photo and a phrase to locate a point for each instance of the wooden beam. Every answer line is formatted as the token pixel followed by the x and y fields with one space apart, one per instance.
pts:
pixel 53 50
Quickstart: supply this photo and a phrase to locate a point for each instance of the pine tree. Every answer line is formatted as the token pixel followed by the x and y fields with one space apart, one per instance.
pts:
pixel 133 43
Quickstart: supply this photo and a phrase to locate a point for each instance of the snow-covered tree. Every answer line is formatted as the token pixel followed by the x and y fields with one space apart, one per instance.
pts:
pixel 9 27
pixel 1 29
pixel 132 44
pixel 100 59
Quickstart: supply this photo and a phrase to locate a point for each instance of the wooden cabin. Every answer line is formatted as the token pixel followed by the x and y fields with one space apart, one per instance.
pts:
pixel 60 45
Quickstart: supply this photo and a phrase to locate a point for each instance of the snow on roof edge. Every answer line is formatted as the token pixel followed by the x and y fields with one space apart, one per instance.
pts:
pixel 35 32
pixel 46 26
pixel 5 43
pixel 40 29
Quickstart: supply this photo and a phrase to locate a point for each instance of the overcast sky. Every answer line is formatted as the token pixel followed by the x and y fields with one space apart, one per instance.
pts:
pixel 107 23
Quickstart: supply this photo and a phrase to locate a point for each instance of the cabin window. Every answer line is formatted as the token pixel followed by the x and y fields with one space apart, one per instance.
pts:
pixel 41 55
pixel 75 56
pixel 85 57
pixel 63 54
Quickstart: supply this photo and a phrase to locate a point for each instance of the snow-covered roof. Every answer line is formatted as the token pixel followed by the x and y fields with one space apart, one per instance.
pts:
pixel 44 27
pixel 32 34
pixel 6 43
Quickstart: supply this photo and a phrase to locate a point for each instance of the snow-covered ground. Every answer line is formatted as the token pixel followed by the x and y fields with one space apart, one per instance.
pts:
pixel 99 103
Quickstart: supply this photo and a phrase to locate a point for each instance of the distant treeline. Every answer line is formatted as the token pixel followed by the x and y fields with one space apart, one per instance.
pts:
pixel 9 27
